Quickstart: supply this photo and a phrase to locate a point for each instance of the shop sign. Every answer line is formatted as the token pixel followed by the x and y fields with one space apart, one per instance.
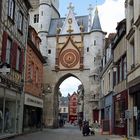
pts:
pixel 33 101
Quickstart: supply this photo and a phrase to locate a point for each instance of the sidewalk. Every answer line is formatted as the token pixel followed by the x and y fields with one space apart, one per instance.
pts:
pixel 114 137
pixel 109 137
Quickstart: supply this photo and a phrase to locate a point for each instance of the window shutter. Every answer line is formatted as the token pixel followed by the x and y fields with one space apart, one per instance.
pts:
pixel 4 44
pixel 14 54
pixel 22 61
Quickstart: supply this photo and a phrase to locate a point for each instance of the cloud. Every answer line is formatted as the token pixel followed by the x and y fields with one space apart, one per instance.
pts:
pixel 69 86
pixel 111 12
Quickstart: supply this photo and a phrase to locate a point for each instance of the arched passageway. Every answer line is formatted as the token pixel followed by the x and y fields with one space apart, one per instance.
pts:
pixel 58 92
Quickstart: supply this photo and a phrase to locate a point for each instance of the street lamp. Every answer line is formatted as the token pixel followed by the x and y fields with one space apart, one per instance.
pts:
pixel 4 68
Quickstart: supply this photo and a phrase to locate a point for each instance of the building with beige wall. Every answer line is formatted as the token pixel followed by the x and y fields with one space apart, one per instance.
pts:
pixel 106 80
pixel 13 39
pixel 132 8
pixel 63 108
pixel 120 98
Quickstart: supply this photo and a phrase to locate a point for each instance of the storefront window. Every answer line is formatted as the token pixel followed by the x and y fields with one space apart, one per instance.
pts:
pixel 137 119
pixel 120 113
pixel 1 110
pixel 10 116
pixel 8 112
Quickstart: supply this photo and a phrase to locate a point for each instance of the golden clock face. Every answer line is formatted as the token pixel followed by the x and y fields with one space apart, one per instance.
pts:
pixel 69 58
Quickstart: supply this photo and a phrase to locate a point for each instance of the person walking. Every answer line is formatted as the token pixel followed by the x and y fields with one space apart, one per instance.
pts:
pixel 80 124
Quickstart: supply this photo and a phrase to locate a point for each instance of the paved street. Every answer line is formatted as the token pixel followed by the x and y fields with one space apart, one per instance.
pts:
pixel 69 132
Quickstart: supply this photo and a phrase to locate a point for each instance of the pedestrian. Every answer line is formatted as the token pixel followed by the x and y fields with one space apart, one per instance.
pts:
pixel 86 129
pixel 80 123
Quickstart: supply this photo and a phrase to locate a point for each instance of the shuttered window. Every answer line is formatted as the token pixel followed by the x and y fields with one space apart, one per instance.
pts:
pixel 18 58
pixel 8 51
pixel 4 44
pixel 12 53
pixel 21 61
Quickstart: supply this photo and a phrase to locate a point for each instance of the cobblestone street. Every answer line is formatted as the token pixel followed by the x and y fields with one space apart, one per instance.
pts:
pixel 69 132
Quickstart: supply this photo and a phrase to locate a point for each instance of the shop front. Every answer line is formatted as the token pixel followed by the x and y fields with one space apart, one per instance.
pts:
pixel 102 106
pixel 120 106
pixel 134 92
pixel 108 111
pixel 137 114
pixel 9 111
pixel 33 111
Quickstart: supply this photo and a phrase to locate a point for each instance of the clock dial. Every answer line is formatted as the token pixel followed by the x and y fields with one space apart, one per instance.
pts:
pixel 69 58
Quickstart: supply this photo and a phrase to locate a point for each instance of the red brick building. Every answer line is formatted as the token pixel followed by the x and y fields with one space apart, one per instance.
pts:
pixel 33 105
pixel 73 107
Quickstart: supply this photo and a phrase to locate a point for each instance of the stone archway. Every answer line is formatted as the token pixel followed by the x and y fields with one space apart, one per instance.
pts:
pixel 56 95
pixel 55 79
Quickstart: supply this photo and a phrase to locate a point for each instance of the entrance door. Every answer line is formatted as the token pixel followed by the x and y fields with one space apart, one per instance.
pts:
pixel 95 116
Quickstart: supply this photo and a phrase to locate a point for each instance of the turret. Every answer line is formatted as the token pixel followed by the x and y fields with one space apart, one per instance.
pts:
pixel 48 9
pixel 96 22
pixel 97 37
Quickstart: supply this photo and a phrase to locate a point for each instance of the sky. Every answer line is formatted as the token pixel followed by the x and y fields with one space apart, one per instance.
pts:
pixel 70 85
pixel 110 13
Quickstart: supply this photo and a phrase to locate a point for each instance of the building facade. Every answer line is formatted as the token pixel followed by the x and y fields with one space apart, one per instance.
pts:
pixel 33 88
pixel 133 64
pixel 63 108
pixel 106 78
pixel 71 45
pixel 14 28
pixel 72 107
pixel 80 103
pixel 120 98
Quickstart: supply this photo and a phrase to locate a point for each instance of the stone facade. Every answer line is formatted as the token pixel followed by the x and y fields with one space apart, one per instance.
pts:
pixel 133 63
pixel 71 49
pixel 120 75
pixel 13 39
pixel 106 92
pixel 63 108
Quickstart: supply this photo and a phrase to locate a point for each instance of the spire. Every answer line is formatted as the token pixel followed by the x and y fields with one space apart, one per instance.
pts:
pixel 70 25
pixel 96 22
pixel 90 17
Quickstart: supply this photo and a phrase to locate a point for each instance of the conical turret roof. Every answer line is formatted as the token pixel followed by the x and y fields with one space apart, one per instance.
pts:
pixel 96 22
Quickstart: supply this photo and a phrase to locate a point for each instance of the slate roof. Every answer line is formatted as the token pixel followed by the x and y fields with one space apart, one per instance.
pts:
pixel 64 101
pixel 96 22
pixel 60 21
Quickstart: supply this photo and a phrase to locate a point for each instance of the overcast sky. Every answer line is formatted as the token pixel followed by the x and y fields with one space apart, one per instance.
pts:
pixel 110 13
